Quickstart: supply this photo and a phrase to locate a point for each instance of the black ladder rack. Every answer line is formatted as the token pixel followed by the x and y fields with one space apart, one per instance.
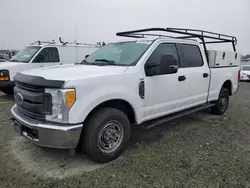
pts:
pixel 185 34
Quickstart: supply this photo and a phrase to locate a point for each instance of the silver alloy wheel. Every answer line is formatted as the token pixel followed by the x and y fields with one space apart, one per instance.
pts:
pixel 110 136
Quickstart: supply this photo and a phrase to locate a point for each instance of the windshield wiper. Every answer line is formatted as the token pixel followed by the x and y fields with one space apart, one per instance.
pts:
pixel 82 62
pixel 109 62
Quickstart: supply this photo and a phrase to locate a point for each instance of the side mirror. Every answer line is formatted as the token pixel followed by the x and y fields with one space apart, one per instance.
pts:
pixel 86 56
pixel 168 64
pixel 151 68
pixel 39 58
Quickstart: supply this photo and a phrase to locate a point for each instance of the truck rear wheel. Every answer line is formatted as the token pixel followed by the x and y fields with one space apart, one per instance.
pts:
pixel 105 135
pixel 221 104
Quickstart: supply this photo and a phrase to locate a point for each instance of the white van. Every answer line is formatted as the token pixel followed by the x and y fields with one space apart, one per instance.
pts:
pixel 42 54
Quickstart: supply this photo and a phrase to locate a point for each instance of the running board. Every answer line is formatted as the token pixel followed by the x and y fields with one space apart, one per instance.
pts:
pixel 158 121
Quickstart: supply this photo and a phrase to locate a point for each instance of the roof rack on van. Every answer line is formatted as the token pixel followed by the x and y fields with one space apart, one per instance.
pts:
pixel 39 42
pixel 77 43
pixel 185 34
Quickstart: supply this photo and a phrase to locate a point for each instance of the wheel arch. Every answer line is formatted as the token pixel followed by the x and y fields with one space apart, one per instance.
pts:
pixel 228 85
pixel 119 104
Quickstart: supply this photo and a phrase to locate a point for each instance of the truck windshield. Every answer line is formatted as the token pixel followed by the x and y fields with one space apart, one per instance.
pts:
pixel 120 53
pixel 25 55
pixel 247 68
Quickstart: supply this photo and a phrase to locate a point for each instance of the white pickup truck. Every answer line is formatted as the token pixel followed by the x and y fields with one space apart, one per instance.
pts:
pixel 145 82
pixel 42 54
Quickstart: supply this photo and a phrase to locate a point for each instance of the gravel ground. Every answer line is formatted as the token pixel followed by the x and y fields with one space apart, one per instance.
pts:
pixel 200 150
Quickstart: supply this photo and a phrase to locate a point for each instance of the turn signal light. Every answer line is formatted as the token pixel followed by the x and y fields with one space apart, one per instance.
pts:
pixel 70 98
pixel 4 78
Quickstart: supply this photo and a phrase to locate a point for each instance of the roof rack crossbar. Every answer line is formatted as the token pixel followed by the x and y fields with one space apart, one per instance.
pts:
pixel 43 42
pixel 202 32
pixel 188 34
pixel 143 35
pixel 216 39
pixel 77 43
pixel 215 42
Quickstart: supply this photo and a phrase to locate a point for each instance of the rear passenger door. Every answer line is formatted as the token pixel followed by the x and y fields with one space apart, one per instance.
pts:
pixel 196 75
pixel 48 56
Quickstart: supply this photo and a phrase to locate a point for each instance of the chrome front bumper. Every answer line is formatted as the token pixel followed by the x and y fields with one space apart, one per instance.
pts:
pixel 46 134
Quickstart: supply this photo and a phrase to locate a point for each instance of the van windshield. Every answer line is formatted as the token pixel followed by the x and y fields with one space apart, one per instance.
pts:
pixel 120 53
pixel 25 55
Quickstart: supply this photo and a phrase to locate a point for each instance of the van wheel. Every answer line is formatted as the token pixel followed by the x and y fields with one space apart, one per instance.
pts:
pixel 8 91
pixel 221 104
pixel 106 135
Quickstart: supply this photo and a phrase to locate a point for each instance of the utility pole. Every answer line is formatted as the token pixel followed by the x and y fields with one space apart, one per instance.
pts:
pixel 76 42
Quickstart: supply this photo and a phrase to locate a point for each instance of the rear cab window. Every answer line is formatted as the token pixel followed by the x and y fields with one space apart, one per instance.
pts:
pixel 191 56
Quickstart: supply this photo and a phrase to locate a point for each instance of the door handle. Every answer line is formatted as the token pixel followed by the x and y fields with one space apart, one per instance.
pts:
pixel 205 75
pixel 181 78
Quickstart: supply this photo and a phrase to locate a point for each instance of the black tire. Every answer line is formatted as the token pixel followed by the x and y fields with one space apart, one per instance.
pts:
pixel 8 91
pixel 94 136
pixel 221 104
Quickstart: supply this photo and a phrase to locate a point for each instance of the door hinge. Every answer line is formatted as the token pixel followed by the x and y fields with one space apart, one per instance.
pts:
pixel 142 88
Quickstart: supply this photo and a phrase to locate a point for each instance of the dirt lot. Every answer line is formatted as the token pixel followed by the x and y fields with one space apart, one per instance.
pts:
pixel 200 150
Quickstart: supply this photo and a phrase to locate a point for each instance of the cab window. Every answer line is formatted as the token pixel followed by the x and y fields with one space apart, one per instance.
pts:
pixel 163 49
pixel 191 56
pixel 48 55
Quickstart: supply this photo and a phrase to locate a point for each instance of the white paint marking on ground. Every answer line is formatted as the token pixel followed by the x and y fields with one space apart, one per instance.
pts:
pixel 49 162
pixel 5 102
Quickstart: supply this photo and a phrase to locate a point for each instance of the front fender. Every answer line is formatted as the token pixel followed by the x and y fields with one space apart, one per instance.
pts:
pixel 87 101
pixel 14 68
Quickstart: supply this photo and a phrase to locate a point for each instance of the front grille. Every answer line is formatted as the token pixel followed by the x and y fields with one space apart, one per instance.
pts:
pixel 30 87
pixel 32 101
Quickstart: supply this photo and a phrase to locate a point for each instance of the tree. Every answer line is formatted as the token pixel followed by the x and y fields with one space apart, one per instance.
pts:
pixel 247 56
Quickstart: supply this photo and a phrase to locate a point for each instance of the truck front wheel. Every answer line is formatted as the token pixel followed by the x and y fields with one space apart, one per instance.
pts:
pixel 221 104
pixel 106 134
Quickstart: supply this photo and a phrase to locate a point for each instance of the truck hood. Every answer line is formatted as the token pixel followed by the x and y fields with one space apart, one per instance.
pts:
pixel 74 72
pixel 8 65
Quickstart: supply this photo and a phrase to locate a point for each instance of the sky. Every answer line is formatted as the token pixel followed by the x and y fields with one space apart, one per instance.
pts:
pixel 25 21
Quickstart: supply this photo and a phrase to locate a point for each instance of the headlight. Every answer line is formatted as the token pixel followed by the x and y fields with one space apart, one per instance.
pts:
pixel 62 101
pixel 4 75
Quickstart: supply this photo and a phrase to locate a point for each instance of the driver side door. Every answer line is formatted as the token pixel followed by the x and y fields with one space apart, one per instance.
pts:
pixel 163 92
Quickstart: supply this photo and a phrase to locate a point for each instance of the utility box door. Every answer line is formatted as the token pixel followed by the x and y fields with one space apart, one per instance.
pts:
pixel 223 59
